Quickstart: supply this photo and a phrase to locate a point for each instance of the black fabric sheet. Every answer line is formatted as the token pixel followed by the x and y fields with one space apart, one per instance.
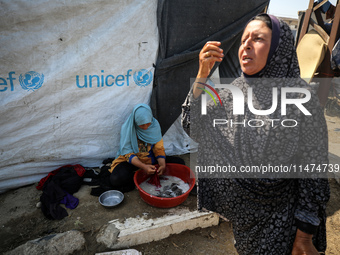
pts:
pixel 184 27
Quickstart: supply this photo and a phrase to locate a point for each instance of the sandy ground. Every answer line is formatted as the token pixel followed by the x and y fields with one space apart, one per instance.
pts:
pixel 21 220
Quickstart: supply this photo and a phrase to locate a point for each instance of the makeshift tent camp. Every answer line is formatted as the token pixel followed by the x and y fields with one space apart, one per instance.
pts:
pixel 71 72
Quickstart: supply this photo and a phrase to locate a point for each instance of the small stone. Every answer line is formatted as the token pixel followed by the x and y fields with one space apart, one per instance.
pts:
pixel 213 234
pixel 175 245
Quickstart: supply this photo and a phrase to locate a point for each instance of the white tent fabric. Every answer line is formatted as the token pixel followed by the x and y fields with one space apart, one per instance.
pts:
pixel 70 73
pixel 177 141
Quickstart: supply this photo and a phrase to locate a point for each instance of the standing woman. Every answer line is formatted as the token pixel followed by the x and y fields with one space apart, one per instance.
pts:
pixel 141 147
pixel 273 215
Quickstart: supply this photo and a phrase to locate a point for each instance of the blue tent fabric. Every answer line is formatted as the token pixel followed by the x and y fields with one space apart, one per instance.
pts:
pixel 184 27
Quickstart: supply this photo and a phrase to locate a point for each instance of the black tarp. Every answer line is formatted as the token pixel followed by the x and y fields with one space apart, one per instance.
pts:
pixel 184 27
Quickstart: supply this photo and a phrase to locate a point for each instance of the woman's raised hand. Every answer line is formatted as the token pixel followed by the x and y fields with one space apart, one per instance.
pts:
pixel 210 53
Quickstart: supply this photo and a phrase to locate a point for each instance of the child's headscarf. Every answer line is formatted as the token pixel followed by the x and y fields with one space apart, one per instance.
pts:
pixel 140 115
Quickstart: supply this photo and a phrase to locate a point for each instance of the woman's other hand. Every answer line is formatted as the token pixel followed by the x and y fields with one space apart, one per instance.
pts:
pixel 162 164
pixel 160 170
pixel 209 55
pixel 149 169
pixel 303 244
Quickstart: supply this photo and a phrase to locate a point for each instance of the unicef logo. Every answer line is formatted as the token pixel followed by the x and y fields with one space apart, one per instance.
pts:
pixel 31 80
pixel 142 77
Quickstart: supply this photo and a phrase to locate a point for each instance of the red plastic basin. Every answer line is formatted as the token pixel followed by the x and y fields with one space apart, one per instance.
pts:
pixel 181 171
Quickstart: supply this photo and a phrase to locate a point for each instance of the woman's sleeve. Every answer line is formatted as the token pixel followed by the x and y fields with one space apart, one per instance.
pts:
pixel 128 157
pixel 191 118
pixel 158 149
pixel 120 159
pixel 185 118
pixel 313 187
pixel 313 197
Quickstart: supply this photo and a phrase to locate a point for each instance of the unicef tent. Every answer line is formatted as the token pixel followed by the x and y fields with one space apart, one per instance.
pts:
pixel 71 72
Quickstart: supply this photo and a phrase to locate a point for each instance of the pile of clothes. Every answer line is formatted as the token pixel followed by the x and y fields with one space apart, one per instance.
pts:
pixel 58 187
